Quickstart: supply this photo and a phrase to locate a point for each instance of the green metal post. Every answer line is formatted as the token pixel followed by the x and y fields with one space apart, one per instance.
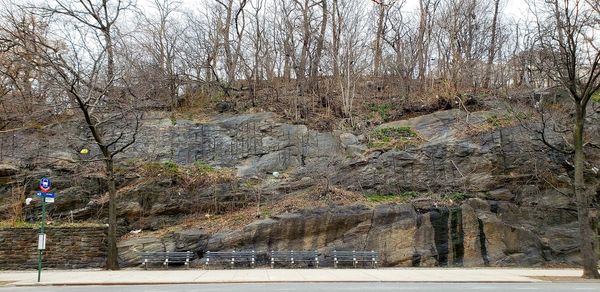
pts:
pixel 43 224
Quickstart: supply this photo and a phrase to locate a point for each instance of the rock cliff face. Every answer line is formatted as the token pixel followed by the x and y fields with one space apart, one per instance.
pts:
pixel 482 192
pixel 476 233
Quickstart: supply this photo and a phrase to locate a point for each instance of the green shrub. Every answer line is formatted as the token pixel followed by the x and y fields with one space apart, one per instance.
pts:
pixel 494 120
pixel 171 166
pixel 596 97
pixel 394 132
pixel 166 168
pixel 505 120
pixel 382 109
pixel 393 137
pixel 456 196
pixel 203 167
pixel 218 96
pixel 265 213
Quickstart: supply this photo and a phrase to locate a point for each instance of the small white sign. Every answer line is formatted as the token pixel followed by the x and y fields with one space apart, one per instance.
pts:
pixel 49 200
pixel 42 241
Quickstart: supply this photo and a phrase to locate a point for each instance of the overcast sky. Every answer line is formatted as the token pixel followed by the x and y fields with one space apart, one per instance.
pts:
pixel 515 8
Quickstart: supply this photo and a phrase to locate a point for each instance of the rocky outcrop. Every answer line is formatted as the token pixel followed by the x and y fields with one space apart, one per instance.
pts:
pixel 455 156
pixel 253 143
pixel 476 233
pixel 506 198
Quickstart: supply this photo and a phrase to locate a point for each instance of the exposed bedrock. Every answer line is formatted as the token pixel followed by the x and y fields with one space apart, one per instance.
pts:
pixel 476 233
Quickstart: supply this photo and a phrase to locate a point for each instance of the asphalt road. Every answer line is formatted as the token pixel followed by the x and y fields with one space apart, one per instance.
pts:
pixel 329 287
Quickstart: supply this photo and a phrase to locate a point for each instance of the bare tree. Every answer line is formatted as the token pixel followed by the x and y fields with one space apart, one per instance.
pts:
pixel 353 57
pixel 316 59
pixel 161 40
pixel 572 58
pixel 89 77
pixel 492 51
pixel 304 7
pixel 20 100
pixel 335 36
pixel 234 16
pixel 382 9
pixel 427 10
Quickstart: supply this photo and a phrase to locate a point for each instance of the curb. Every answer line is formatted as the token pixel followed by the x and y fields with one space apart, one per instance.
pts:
pixel 252 282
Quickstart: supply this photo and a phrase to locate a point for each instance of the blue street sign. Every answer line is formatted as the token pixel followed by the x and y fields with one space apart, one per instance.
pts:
pixel 45 184
pixel 46 195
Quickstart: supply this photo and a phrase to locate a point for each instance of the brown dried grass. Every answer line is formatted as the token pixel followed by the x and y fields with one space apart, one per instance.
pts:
pixel 308 199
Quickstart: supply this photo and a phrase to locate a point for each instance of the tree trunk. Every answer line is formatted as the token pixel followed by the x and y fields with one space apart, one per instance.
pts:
pixel 306 34
pixel 335 39
pixel 492 52
pixel 421 40
pixel 112 262
pixel 589 257
pixel 110 70
pixel 287 61
pixel 316 62
pixel 378 39
pixel 229 65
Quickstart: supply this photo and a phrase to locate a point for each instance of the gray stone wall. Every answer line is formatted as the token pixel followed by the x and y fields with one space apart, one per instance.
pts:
pixel 66 248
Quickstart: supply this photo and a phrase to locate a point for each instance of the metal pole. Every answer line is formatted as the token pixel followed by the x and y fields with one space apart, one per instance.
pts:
pixel 41 238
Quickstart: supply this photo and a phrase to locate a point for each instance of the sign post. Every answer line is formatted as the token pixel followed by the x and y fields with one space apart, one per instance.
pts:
pixel 45 186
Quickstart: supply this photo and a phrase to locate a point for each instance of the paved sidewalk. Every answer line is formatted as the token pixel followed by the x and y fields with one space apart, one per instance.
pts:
pixel 158 276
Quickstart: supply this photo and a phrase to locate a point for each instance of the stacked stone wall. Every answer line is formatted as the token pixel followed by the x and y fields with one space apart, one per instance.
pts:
pixel 66 248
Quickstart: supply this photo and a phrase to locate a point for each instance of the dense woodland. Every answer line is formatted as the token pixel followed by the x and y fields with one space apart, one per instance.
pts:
pixel 107 63
pixel 307 56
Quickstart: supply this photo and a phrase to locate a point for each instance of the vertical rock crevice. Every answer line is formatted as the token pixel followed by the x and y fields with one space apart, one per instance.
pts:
pixel 369 230
pixel 482 243
pixel 416 257
pixel 439 221
pixel 457 237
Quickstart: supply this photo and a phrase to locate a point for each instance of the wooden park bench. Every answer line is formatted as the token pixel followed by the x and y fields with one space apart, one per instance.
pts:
pixel 295 256
pixel 355 257
pixel 231 257
pixel 167 257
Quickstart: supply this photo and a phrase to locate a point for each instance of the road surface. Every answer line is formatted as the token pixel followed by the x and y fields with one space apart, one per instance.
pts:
pixel 329 287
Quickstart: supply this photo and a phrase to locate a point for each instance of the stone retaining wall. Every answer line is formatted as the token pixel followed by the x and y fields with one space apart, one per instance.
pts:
pixel 66 248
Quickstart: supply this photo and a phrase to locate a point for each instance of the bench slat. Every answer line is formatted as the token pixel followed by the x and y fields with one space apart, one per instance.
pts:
pixel 231 256
pixel 360 256
pixel 293 256
pixel 167 257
